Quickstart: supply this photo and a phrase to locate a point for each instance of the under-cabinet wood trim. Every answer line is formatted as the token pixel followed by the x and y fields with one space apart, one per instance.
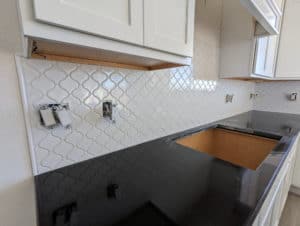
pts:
pixel 164 66
pixel 86 61
pixel 55 51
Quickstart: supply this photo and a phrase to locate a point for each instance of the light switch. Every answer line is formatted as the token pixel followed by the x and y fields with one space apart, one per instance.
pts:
pixel 63 117
pixel 47 117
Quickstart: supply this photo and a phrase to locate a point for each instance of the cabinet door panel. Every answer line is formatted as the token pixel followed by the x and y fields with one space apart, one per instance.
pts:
pixel 169 25
pixel 265 56
pixel 115 19
pixel 280 199
pixel 288 57
pixel 296 166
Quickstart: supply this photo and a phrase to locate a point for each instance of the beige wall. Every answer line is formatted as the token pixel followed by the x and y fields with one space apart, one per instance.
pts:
pixel 17 206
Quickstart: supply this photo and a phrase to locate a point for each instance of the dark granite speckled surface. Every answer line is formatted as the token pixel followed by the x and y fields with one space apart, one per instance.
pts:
pixel 162 183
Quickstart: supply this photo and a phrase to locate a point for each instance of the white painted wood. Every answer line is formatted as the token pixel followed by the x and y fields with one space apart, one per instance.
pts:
pixel 265 56
pixel 266 65
pixel 268 218
pixel 280 4
pixel 286 64
pixel 206 58
pixel 169 25
pixel 296 172
pixel 255 223
pixel 34 28
pixel 276 207
pixel 237 41
pixel 265 12
pixel 26 115
pixel 121 20
pixel 293 163
pixel 244 55
pixel 288 58
pixel 270 213
pixel 260 61
pixel 268 210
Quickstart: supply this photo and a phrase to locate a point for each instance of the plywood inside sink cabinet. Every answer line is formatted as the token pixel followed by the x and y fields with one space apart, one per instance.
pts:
pixel 241 149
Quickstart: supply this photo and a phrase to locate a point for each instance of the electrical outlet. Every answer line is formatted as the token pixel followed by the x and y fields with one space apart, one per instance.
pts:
pixel 293 96
pixel 229 98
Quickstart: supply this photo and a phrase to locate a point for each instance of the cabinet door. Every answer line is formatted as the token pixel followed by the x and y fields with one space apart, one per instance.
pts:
pixel 276 213
pixel 169 25
pixel 115 19
pixel 265 56
pixel 296 170
pixel 272 214
pixel 288 58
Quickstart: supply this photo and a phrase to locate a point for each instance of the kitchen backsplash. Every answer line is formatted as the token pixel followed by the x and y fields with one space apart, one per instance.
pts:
pixel 274 96
pixel 149 105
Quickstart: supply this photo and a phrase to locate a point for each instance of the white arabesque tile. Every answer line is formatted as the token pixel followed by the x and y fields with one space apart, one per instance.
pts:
pixel 149 105
pixel 274 97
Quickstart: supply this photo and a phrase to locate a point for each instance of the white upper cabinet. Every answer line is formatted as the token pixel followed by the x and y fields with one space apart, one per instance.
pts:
pixel 115 19
pixel 244 55
pixel 266 13
pixel 246 50
pixel 266 49
pixel 289 48
pixel 169 25
pixel 265 56
pixel 138 34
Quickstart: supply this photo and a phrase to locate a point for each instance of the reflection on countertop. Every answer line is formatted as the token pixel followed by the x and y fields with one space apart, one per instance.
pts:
pixel 166 183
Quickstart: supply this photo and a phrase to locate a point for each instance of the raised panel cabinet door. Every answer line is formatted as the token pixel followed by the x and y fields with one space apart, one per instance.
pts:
pixel 265 56
pixel 114 19
pixel 276 213
pixel 169 25
pixel 296 170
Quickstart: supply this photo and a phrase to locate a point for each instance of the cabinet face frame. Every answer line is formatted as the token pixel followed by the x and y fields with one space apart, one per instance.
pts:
pixel 274 203
pixel 64 14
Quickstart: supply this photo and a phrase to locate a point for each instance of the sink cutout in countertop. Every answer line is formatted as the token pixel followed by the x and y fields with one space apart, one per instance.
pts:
pixel 238 148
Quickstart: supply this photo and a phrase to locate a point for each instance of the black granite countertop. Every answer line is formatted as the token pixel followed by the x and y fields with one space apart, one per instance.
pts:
pixel 163 183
